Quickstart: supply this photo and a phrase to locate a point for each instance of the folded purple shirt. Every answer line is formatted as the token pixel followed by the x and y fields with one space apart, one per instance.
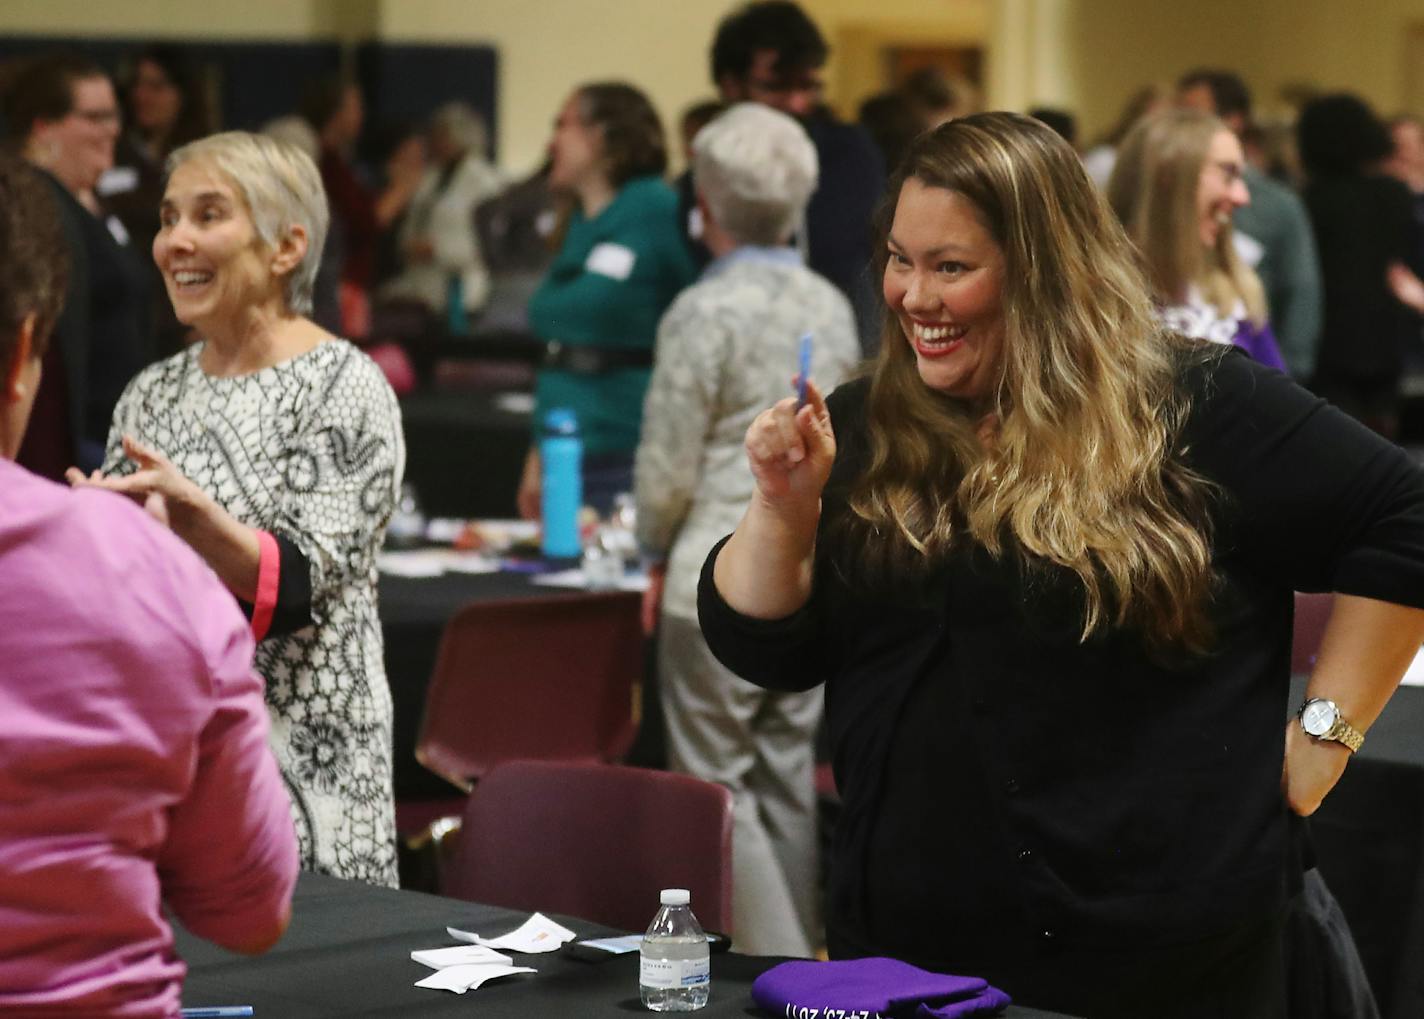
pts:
pixel 872 989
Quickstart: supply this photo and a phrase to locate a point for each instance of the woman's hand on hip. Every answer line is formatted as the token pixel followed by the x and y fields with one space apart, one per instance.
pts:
pixel 791 451
pixel 1312 767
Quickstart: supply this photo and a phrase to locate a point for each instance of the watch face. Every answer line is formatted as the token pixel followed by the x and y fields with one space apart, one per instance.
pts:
pixel 1318 717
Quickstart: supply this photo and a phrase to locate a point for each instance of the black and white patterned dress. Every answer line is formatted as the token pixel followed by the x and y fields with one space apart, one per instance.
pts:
pixel 309 449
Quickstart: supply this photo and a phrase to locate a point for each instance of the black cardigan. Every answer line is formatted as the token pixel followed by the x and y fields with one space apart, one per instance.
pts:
pixel 1119 802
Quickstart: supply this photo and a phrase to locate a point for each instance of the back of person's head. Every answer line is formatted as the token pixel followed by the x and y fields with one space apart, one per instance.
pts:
pixel 323 98
pixel 632 133
pixel 42 89
pixel 1060 120
pixel 933 95
pixel 1085 409
pixel 282 189
pixel 1340 134
pixel 695 118
pixel 462 126
pixel 756 169
pixel 1154 190
pixel 891 122
pixel 1229 96
pixel 294 129
pixel 33 256
pixel 777 25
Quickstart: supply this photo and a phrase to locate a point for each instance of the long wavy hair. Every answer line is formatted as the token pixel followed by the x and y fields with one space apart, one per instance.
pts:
pixel 1072 462
pixel 1153 190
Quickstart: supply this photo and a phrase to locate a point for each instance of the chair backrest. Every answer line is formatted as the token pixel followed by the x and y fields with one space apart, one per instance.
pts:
pixel 595 841
pixel 1312 611
pixel 549 677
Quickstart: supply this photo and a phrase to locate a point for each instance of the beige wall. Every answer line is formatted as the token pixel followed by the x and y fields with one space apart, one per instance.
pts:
pixel 547 47
pixel 859 31
pixel 1087 55
pixel 250 19
pixel 1360 46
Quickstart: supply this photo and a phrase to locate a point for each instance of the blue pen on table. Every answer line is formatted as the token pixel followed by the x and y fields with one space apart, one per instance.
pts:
pixel 216 1012
pixel 803 373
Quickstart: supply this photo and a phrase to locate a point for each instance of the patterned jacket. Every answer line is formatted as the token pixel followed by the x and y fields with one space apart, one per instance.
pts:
pixel 726 350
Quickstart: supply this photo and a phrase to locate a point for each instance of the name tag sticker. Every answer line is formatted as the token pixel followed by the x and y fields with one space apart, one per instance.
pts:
pixel 117 180
pixel 611 260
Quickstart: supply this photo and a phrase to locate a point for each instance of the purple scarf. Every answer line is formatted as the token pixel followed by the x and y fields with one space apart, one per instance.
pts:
pixel 873 988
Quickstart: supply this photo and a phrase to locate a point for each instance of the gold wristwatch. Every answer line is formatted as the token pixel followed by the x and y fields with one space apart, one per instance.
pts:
pixel 1321 719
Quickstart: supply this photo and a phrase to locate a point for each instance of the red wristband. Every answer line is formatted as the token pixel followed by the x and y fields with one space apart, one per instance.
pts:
pixel 269 570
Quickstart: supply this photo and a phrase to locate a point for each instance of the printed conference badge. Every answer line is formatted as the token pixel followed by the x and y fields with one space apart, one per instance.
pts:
pixel 612 260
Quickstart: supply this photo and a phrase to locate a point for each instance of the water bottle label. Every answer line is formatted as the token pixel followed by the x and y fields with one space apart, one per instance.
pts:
pixel 670 974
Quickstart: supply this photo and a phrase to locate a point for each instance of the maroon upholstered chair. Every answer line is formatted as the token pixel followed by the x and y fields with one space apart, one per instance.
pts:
pixel 554 677
pixel 1312 611
pixel 595 841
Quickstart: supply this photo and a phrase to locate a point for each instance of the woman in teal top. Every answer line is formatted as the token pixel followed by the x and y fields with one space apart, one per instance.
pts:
pixel 622 262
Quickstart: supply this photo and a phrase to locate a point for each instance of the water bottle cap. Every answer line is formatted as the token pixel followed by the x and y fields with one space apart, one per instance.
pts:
pixel 676 896
pixel 561 421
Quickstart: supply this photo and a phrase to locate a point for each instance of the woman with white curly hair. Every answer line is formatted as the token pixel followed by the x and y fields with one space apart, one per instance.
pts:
pixel 726 348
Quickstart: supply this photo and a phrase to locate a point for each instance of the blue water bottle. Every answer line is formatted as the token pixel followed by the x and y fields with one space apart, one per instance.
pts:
pixel 457 323
pixel 561 456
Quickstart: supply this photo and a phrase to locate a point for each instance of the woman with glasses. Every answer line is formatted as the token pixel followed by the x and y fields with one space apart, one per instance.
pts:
pixel 1175 186
pixel 64 109
pixel 621 263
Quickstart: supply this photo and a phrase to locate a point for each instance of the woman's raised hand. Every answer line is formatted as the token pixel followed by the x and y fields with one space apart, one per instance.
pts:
pixel 791 451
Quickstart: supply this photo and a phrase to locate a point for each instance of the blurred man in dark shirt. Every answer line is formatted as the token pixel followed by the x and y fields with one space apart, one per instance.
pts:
pixel 770 52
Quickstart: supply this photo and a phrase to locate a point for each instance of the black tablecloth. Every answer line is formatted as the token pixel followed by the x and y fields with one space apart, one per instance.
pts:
pixel 1369 842
pixel 347 953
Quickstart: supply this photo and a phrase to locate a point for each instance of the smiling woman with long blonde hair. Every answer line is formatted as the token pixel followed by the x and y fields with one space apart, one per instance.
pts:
pixel 1175 186
pixel 1043 559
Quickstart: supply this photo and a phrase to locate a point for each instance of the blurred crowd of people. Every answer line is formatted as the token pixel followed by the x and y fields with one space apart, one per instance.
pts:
pixel 209 276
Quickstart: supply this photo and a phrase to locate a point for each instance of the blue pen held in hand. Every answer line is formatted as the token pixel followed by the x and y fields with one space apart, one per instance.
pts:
pixel 803 372
pixel 216 1012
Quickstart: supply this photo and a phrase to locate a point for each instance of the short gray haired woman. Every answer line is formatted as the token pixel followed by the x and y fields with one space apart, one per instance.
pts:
pixel 756 169
pixel 726 348
pixel 274 449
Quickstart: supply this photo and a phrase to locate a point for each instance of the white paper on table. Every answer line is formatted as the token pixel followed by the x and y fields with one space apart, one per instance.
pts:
pixel 420 562
pixel 470 562
pixel 461 978
pixel 432 562
pixel 458 955
pixel 443 530
pixel 576 579
pixel 515 402
pixel 537 934
pixel 616 946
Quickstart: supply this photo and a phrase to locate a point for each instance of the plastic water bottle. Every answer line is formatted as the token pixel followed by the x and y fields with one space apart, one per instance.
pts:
pixel 673 971
pixel 602 563
pixel 561 459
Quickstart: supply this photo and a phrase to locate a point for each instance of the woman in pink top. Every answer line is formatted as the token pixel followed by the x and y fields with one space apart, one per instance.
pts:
pixel 134 769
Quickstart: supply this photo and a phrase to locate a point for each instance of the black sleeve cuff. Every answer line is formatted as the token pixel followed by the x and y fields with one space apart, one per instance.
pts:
pixel 292 612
